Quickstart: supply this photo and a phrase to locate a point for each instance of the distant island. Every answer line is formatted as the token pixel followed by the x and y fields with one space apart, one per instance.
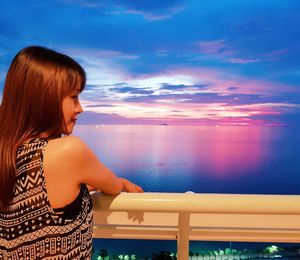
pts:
pixel 163 124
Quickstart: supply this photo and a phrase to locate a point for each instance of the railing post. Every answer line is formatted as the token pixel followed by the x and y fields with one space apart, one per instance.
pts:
pixel 183 236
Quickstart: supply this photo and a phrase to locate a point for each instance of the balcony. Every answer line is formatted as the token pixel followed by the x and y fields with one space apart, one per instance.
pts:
pixel 190 216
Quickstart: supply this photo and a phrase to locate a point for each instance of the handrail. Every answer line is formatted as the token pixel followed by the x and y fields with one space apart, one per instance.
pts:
pixel 192 216
pixel 199 203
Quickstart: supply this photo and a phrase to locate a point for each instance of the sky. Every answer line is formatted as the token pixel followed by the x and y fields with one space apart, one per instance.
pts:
pixel 194 62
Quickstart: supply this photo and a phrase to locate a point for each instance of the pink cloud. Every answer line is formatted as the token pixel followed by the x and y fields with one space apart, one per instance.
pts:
pixel 220 49
pixel 243 61
pixel 275 55
pixel 155 17
pixel 212 47
pixel 206 112
pixel 220 81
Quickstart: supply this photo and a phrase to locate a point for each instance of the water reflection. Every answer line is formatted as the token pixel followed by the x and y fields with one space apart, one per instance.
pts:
pixel 201 159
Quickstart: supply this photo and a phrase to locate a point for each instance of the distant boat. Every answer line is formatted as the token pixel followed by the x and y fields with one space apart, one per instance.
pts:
pixel 163 124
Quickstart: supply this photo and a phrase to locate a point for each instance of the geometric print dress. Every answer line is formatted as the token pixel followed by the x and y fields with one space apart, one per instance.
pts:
pixel 31 229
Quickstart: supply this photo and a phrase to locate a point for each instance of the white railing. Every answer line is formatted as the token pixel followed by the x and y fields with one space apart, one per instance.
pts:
pixel 191 216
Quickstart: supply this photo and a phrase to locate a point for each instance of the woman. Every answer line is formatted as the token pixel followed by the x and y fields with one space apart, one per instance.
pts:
pixel 45 205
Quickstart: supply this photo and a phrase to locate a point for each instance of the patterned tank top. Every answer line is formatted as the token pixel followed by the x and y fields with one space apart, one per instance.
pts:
pixel 30 229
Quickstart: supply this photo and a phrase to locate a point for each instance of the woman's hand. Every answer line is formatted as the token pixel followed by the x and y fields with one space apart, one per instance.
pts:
pixel 128 186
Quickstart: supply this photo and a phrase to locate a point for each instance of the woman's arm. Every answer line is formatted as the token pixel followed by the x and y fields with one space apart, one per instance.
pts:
pixel 86 168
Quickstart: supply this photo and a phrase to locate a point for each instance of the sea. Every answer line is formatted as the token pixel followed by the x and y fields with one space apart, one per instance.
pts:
pixel 202 159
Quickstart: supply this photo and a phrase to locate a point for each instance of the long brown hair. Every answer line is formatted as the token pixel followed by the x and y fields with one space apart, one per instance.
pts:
pixel 37 81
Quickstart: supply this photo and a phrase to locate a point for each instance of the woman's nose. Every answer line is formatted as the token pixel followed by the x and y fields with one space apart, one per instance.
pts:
pixel 79 108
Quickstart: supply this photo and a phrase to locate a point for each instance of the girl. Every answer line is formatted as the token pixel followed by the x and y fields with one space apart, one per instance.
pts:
pixel 45 205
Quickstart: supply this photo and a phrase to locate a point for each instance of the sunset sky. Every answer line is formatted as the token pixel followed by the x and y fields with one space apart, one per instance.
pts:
pixel 222 62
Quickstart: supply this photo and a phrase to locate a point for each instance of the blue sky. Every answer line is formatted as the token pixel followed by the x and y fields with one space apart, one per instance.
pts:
pixel 227 62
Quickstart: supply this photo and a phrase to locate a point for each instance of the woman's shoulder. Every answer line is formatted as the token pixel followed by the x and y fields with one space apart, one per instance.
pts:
pixel 67 143
pixel 69 147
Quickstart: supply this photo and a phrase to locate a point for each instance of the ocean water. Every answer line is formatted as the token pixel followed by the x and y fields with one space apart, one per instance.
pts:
pixel 202 159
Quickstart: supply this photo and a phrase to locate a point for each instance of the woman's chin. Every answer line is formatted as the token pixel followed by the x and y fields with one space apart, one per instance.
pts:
pixel 68 131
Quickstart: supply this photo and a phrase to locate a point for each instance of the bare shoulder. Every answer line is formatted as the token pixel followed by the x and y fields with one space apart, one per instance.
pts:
pixel 63 162
pixel 66 141
pixel 67 148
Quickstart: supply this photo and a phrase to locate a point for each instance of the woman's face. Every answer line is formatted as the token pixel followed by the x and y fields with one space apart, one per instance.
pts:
pixel 71 108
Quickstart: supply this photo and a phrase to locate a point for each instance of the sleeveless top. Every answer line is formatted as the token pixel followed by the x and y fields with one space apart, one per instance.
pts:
pixel 31 229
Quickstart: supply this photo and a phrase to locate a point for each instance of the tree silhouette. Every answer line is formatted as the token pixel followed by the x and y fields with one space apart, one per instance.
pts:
pixel 103 253
pixel 162 256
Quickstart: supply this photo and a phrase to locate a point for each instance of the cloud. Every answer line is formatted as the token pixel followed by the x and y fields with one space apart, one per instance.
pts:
pixel 89 117
pixel 257 114
pixel 132 90
pixel 187 94
pixel 255 26
pixel 101 72
pixel 166 86
pixel 243 61
pixel 287 116
pixel 211 98
pixel 223 51
pixel 219 81
pixel 232 88
pixel 99 105
pixel 227 52
pixel 91 87
pixel 212 47
pixel 159 15
pixel 142 99
pixel 276 55
pixel 149 10
pixel 92 118
pixel 176 110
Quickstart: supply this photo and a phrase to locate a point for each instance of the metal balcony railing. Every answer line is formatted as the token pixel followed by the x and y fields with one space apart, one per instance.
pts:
pixel 190 216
